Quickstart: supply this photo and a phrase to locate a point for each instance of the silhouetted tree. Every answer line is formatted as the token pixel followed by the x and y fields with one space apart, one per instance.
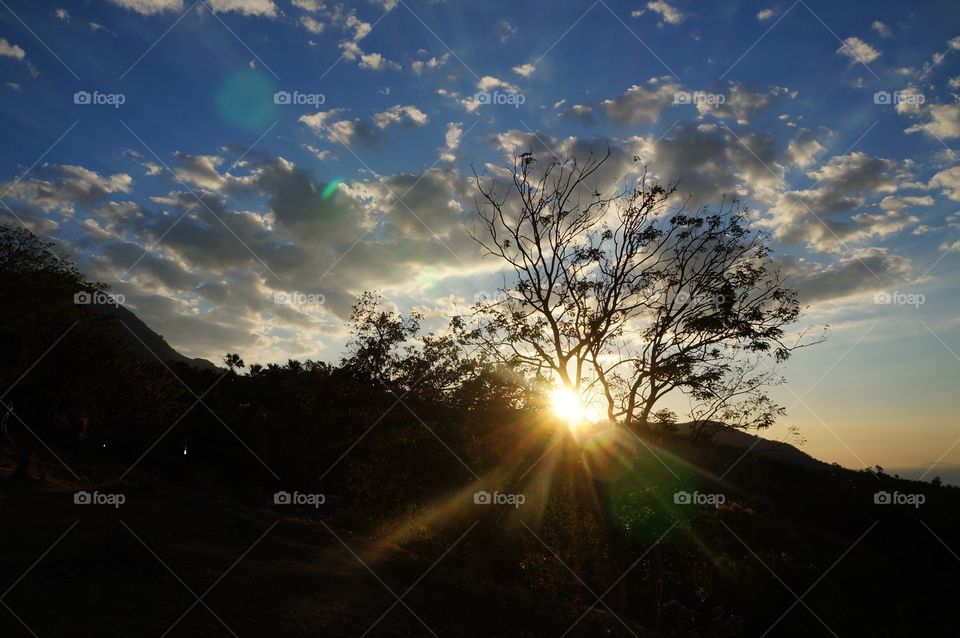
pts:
pixel 622 297
pixel 376 336
pixel 233 362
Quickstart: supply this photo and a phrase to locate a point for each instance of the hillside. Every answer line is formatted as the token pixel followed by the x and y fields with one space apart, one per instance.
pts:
pixel 144 342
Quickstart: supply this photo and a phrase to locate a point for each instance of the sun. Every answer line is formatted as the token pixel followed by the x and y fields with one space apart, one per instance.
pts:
pixel 568 405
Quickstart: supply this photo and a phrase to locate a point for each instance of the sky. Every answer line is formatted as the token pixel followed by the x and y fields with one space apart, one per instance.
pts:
pixel 240 170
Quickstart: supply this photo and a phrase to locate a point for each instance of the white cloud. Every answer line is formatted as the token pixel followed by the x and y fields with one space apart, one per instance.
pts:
pixel 765 15
pixel 397 114
pixel 418 66
pixel 881 29
pixel 59 188
pixel 245 7
pixel 376 62
pixel 944 122
pixel 311 24
pixel 312 6
pixel 858 51
pixel 316 152
pixel 640 103
pixel 741 104
pixel 150 7
pixel 368 132
pixel 490 83
pixel 524 70
pixel 62 14
pixel 949 181
pixel 668 13
pixel 902 202
pixel 11 50
pixel 507 30
pixel 836 211
pixel 452 141
pixel 804 149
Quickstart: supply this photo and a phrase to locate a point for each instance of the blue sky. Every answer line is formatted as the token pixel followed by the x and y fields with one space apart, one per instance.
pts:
pixel 837 123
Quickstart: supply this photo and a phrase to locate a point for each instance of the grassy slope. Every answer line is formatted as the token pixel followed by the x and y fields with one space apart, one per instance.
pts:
pixel 299 581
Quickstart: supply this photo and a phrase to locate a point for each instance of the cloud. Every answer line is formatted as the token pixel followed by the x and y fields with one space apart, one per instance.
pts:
pixel 202 277
pixel 943 123
pixel 861 273
pixel 507 30
pixel 710 162
pixel 948 181
pixel 452 141
pixel 312 6
pixel 668 13
pixel 803 149
pixel 376 62
pixel 62 15
pixel 312 25
pixel 244 7
pixel 11 50
pixel 858 51
pixel 524 70
pixel 765 14
pixel 900 203
pixel 150 7
pixel 352 28
pixel 835 211
pixel 60 188
pixel 640 103
pixel 372 61
pixel 741 104
pixel 418 66
pixel 881 29
pixel 200 171
pixel 491 83
pixel 368 132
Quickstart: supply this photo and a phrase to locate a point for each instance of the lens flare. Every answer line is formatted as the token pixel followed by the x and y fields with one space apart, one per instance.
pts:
pixel 330 189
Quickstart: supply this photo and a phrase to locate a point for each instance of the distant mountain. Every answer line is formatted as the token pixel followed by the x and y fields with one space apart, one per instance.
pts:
pixel 949 473
pixel 146 340
pixel 725 435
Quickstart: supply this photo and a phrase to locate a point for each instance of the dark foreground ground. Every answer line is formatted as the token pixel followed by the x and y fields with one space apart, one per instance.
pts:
pixel 801 553
pixel 139 570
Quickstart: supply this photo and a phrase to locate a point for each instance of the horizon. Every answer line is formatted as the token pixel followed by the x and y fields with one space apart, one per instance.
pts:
pixel 332 149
